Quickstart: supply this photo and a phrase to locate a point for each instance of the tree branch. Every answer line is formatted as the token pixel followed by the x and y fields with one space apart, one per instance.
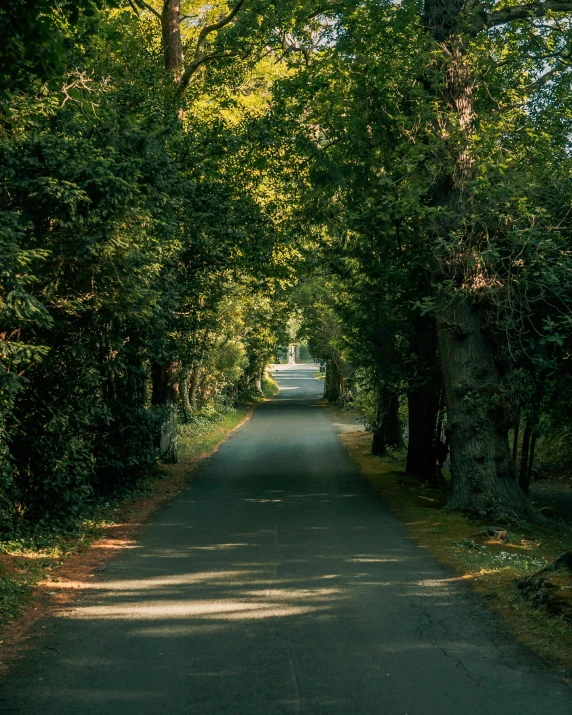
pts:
pixel 547 76
pixel 144 5
pixel 200 55
pixel 486 20
pixel 321 11
pixel 536 85
pixel 288 45
pixel 207 29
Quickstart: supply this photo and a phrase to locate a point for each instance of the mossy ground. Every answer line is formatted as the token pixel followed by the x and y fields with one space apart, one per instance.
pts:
pixel 463 544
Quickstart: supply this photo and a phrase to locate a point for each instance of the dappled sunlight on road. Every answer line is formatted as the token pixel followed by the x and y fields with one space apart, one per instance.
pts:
pixel 277 584
pixel 363 560
pixel 217 547
pixel 248 591
pixel 230 610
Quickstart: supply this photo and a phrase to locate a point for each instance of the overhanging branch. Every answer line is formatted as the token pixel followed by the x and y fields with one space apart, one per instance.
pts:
pixel 201 57
pixel 528 11
pixel 143 5
pixel 547 77
pixel 207 29
pixel 195 64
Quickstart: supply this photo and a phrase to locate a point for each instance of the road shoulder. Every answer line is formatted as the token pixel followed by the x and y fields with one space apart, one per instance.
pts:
pixel 490 566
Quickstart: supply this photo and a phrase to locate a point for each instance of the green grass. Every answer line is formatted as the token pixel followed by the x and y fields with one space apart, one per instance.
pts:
pixel 269 386
pixel 14 593
pixel 26 561
pixel 196 439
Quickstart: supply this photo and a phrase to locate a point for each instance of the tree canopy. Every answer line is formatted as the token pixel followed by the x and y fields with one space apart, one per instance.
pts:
pixel 177 179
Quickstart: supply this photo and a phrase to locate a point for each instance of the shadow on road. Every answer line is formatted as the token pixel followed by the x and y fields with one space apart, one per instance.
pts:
pixel 278 583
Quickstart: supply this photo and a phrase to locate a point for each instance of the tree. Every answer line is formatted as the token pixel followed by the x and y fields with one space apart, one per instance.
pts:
pixel 483 474
pixel 145 228
pixel 402 145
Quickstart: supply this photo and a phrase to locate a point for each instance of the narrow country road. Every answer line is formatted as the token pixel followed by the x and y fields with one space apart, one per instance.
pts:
pixel 277 583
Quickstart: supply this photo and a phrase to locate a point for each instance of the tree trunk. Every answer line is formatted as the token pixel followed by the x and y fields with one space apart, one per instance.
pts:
pixel 423 405
pixel 481 466
pixel 387 427
pixel 194 385
pixel 393 434
pixel 171 34
pixel 515 437
pixel 379 436
pixel 528 446
pixel 184 386
pixel 524 451
pixel 332 382
pixel 166 394
pixel 531 457
pixel 482 471
pixel 378 443
pixel 158 384
pixel 421 456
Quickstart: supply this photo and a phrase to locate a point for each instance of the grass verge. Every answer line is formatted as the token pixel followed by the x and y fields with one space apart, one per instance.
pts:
pixel 197 439
pixel 269 386
pixel 463 544
pixel 40 573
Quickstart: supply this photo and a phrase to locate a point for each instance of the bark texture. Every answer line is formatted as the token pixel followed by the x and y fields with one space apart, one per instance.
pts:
pixel 333 381
pixel 165 382
pixel 423 404
pixel 184 388
pixel 483 478
pixel 527 452
pixel 387 427
pixel 481 464
pixel 171 35
pixel 193 388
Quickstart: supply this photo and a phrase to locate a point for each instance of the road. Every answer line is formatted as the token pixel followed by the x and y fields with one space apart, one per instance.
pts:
pixel 277 583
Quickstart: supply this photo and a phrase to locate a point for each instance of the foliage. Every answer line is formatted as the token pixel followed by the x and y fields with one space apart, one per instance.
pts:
pixel 35 34
pixel 390 186
pixel 422 212
pixel 127 241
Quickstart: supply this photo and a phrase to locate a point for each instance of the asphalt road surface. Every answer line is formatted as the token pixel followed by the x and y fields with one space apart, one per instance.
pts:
pixel 277 583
